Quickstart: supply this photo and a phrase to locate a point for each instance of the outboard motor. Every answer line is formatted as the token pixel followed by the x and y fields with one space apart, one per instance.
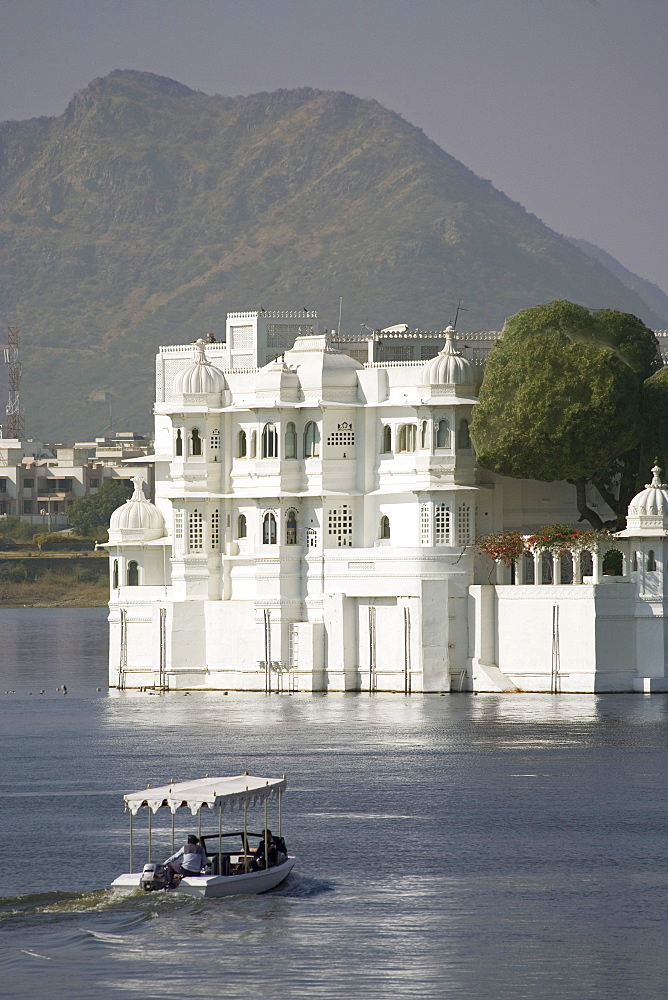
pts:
pixel 153 877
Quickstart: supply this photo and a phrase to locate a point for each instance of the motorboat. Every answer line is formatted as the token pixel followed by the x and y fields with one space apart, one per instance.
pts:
pixel 235 859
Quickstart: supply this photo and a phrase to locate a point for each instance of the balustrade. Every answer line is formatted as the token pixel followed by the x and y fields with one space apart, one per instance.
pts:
pixel 571 566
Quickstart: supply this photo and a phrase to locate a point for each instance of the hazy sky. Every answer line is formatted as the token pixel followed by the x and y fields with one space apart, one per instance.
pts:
pixel 560 103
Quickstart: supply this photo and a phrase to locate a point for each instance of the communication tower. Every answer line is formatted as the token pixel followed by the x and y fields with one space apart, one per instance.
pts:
pixel 14 427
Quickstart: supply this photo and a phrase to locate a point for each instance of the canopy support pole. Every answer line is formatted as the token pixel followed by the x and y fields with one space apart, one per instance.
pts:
pixel 246 835
pixel 150 832
pixel 199 822
pixel 280 813
pixel 266 837
pixel 220 839
pixel 131 864
pixel 172 833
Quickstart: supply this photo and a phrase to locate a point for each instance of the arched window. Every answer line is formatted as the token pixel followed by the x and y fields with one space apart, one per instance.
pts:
pixel 340 525
pixel 269 529
pixel 290 441
pixel 291 527
pixel 443 434
pixel 241 526
pixel 407 437
pixel 566 567
pixel 215 443
pixel 463 437
pixel 463 524
pixel 115 575
pixel 253 447
pixel 384 527
pixel 178 446
pixel 613 563
pixel 441 524
pixel 425 524
pixel 133 574
pixel 195 442
pixel 241 444
pixel 311 440
pixel 311 538
pixel 529 568
pixel 387 440
pixel 195 531
pixel 651 561
pixel 269 441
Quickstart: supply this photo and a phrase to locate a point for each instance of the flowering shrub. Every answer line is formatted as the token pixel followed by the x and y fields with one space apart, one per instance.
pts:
pixel 559 538
pixel 502 546
pixel 508 546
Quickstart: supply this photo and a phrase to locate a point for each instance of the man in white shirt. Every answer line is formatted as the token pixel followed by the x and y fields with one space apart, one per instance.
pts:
pixel 189 860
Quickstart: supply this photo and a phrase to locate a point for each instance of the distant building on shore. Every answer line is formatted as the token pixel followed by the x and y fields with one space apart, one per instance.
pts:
pixel 38 482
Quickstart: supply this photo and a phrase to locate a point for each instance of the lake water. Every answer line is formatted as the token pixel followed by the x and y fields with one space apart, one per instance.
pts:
pixel 480 848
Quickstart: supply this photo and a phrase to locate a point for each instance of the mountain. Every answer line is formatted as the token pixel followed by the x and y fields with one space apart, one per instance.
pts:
pixel 655 297
pixel 147 210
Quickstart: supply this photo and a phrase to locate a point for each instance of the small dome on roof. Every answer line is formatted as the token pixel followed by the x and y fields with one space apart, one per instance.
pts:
pixel 200 377
pixel 651 502
pixel 449 367
pixel 136 515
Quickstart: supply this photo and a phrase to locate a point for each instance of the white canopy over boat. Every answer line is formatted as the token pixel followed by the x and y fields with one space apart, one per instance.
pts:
pixel 208 793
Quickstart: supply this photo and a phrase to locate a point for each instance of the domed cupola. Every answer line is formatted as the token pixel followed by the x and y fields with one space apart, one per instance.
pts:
pixel 200 377
pixel 137 520
pixel 648 511
pixel 449 367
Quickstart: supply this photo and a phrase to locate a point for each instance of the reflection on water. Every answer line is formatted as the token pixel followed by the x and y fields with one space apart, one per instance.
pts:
pixel 470 847
pixel 44 648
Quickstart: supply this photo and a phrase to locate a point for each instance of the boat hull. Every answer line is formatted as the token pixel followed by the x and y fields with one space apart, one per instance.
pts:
pixel 214 886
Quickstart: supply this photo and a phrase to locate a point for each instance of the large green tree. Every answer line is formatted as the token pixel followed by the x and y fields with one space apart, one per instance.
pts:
pixel 564 397
pixel 655 418
pixel 90 515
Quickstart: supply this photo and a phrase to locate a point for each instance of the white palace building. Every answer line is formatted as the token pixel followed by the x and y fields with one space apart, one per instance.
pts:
pixel 313 530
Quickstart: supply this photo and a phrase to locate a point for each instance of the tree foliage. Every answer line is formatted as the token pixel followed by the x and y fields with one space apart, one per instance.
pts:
pixel 90 515
pixel 15 529
pixel 564 398
pixel 655 422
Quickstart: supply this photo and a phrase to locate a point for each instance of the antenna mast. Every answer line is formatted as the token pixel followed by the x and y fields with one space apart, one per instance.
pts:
pixel 460 308
pixel 15 426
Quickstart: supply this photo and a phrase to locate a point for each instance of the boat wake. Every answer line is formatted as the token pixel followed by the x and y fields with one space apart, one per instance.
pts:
pixel 107 938
pixel 55 903
pixel 303 887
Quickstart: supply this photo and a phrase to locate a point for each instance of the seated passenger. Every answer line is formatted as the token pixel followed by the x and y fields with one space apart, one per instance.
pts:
pixel 278 852
pixel 193 859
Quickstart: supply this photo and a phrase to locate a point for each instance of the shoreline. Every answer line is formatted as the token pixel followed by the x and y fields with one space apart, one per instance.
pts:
pixel 46 580
pixel 74 603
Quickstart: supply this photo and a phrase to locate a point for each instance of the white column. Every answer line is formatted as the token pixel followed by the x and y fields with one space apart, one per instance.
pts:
pixel 597 565
pixel 537 567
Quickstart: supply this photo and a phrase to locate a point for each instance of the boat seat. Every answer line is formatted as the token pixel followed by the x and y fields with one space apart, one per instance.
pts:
pixel 213 859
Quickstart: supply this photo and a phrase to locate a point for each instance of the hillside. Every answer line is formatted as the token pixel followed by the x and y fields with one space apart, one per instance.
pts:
pixel 655 298
pixel 147 210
